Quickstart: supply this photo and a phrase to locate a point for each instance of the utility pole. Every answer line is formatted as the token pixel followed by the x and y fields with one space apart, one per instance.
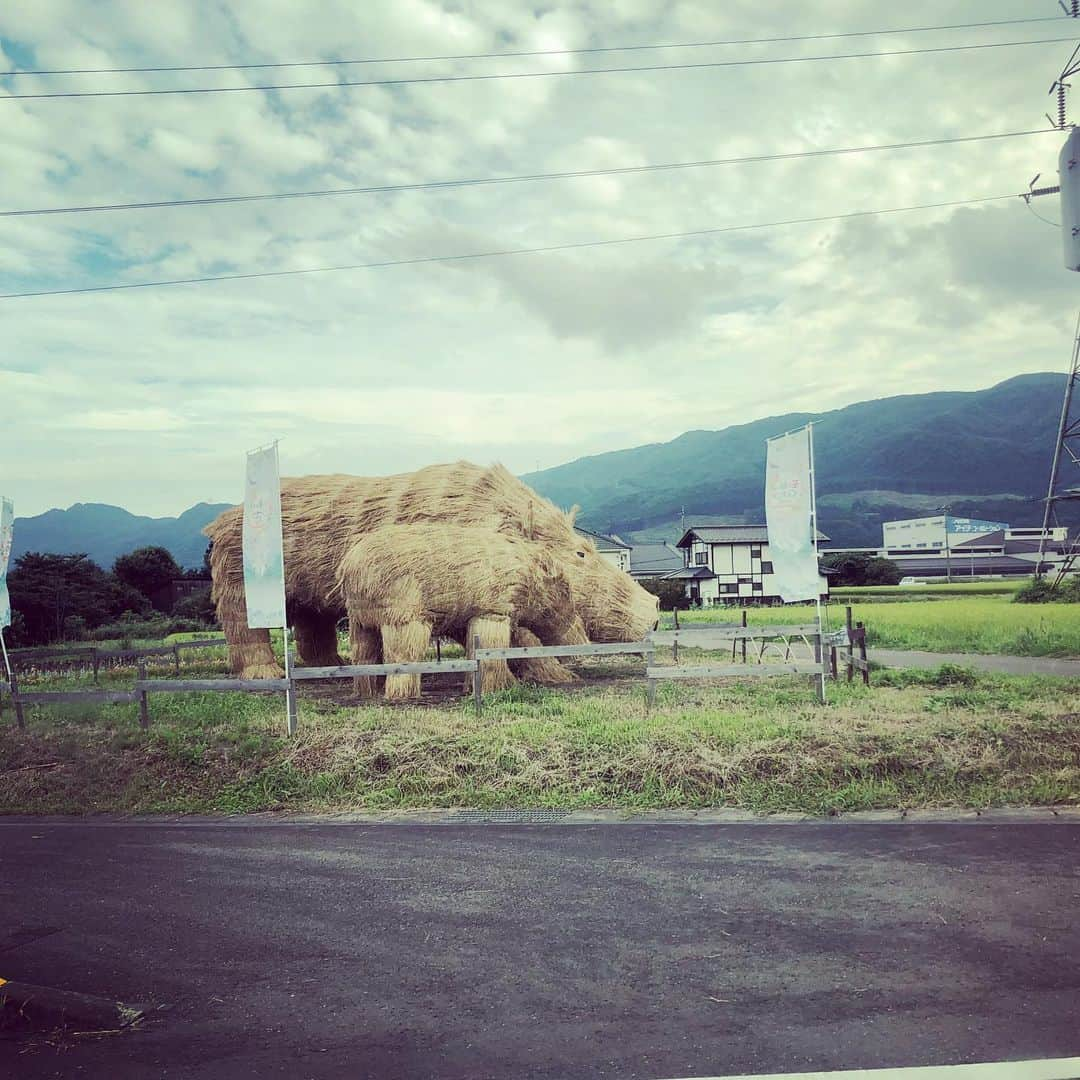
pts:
pixel 1066 447
pixel 1067 444
pixel 948 554
pixel 946 510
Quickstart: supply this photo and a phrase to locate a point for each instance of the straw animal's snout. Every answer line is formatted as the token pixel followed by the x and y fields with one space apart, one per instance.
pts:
pixel 612 606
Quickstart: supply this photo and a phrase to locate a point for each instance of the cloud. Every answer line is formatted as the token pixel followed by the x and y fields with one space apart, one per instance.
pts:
pixel 522 358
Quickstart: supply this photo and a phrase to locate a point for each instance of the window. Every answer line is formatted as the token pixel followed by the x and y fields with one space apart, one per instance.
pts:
pixel 755 552
pixel 766 568
pixel 729 588
pixel 745 580
pixel 757 586
pixel 701 558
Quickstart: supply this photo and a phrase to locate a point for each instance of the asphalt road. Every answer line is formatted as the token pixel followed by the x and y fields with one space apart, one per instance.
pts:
pixel 472 951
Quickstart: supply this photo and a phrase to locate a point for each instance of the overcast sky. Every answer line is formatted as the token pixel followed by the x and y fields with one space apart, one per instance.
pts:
pixel 148 398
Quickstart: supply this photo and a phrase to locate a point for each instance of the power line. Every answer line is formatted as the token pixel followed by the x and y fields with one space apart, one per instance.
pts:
pixel 341 84
pixel 489 180
pixel 501 253
pixel 538 52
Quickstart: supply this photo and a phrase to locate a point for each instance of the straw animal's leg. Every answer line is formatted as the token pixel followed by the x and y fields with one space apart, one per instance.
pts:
pixel 402 644
pixel 546 670
pixel 250 655
pixel 316 638
pixel 574 634
pixel 365 646
pixel 493 632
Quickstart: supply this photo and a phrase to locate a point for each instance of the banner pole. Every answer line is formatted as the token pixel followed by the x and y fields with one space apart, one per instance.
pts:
pixel 290 695
pixel 814 533
pixel 7 660
pixel 7 524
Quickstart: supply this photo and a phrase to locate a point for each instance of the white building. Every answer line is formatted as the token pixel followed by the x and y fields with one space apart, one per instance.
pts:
pixel 730 563
pixel 924 534
pixel 950 547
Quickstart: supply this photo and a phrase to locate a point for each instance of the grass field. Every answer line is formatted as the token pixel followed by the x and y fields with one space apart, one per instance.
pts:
pixel 914 739
pixel 908 592
pixel 976 624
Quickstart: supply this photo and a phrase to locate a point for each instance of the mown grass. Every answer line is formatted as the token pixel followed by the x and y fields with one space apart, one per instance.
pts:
pixel 915 739
pixel 973 624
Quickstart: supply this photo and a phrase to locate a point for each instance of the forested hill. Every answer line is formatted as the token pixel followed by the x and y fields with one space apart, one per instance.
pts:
pixel 104 532
pixel 986 453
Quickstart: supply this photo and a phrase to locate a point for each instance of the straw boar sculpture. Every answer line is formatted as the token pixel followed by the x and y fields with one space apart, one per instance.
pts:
pixel 455 550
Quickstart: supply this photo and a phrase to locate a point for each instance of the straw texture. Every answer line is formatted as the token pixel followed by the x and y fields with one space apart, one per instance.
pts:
pixel 468 543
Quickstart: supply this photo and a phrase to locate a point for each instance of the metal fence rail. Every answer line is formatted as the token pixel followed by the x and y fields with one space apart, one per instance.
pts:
pixel 90 656
pixel 847 646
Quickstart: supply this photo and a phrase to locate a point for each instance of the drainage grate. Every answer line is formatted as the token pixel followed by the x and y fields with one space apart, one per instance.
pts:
pixel 512 817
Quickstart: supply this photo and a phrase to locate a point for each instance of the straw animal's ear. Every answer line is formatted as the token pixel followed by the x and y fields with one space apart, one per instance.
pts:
pixel 573 513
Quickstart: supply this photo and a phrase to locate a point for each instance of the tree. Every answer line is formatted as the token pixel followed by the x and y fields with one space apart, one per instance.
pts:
pixel 203 571
pixel 855 569
pixel 149 570
pixel 52 592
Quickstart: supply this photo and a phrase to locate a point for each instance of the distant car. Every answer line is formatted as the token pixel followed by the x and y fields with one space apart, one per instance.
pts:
pixel 909 581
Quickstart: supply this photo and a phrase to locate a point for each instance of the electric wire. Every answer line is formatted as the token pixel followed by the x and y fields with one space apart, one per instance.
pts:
pixel 538 52
pixel 492 76
pixel 426 185
pixel 1056 224
pixel 504 252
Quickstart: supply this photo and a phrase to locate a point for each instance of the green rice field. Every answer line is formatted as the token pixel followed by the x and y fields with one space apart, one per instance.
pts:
pixel 908 592
pixel 958 623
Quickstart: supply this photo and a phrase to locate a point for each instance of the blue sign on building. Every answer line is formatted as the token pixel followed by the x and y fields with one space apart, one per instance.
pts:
pixel 973 525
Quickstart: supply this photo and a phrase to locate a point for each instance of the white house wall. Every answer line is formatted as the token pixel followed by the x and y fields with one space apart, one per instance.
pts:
pixel 619 559
pixel 730 562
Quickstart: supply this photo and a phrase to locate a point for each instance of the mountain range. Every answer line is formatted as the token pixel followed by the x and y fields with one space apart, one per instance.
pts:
pixel 104 531
pixel 984 453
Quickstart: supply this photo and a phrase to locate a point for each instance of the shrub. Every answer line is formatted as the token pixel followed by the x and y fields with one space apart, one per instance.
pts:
pixel 197 608
pixel 672 594
pixel 1042 591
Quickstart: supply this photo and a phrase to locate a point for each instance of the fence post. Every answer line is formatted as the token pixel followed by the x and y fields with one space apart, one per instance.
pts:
pixel 744 639
pixel 144 707
pixel 176 658
pixel 477 682
pixel 832 664
pixel 19 718
pixel 96 661
pixel 862 653
pixel 650 700
pixel 850 645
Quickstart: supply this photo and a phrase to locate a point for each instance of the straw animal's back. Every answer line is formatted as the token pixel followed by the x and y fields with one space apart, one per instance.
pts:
pixel 323 516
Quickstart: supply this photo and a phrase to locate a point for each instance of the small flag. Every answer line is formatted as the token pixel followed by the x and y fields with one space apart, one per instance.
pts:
pixel 788 517
pixel 7 523
pixel 264 558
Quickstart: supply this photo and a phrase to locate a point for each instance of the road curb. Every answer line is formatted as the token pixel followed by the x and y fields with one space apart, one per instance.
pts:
pixel 26 1008
pixel 998 815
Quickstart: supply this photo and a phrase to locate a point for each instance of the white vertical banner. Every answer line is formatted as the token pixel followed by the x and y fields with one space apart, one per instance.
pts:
pixel 264 557
pixel 7 524
pixel 789 516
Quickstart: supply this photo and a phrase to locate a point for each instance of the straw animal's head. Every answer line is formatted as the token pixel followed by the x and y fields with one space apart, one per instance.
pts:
pixel 611 604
